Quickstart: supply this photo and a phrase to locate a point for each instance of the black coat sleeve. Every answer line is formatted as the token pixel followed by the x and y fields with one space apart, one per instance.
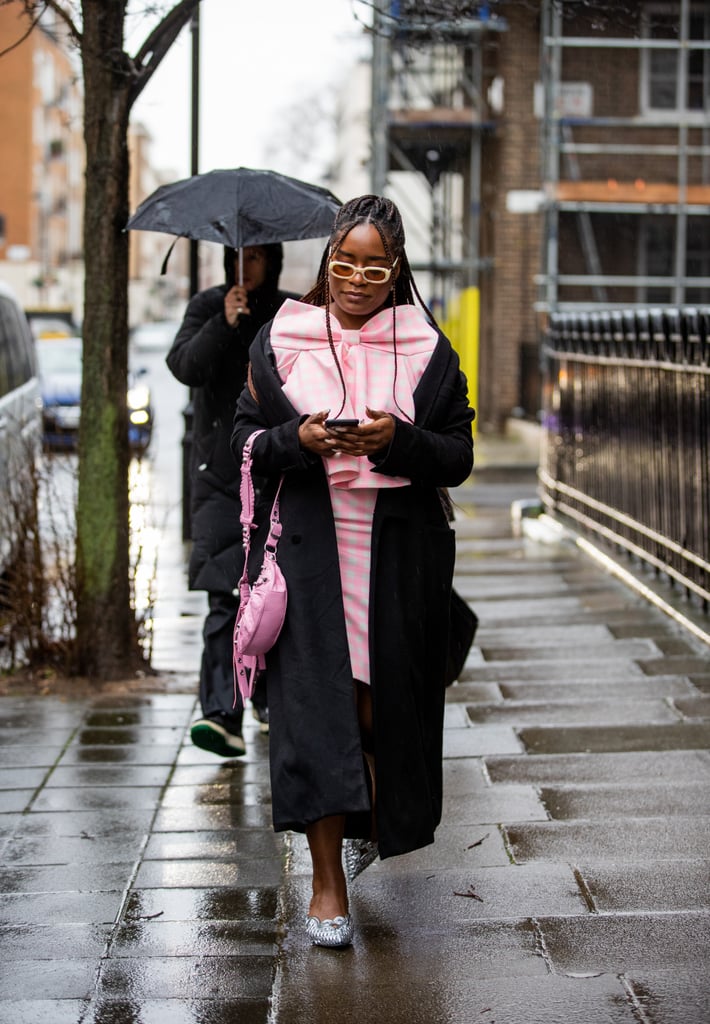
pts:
pixel 203 338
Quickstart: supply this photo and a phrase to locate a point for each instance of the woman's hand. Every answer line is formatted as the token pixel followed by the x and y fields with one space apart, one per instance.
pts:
pixel 313 436
pixel 236 304
pixel 361 441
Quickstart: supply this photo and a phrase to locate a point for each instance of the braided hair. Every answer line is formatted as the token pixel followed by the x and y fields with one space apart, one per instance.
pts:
pixel 387 221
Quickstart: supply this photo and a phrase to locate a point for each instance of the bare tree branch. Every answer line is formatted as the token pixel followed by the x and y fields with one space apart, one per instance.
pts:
pixel 158 43
pixel 35 9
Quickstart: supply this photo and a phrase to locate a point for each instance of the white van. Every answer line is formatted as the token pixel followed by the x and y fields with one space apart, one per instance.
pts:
pixel 20 410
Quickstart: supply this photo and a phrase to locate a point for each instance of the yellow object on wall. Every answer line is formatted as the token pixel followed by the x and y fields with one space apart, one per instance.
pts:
pixel 461 326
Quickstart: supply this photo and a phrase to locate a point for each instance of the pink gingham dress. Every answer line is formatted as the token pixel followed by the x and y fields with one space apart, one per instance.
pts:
pixel 305 364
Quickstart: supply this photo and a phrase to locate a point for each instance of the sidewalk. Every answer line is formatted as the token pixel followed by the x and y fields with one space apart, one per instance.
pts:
pixel 142 883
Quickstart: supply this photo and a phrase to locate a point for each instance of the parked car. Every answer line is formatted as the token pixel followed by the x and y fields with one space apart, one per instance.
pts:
pixel 51 321
pixel 20 412
pixel 60 374
pixel 154 335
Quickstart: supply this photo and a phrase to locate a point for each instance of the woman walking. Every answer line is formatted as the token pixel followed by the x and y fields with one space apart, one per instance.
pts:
pixel 357 676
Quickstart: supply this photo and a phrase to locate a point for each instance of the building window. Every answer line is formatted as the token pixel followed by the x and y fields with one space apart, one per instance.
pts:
pixel 657 259
pixel 659 68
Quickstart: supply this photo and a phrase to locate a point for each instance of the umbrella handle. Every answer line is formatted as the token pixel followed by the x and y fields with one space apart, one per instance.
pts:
pixel 240 261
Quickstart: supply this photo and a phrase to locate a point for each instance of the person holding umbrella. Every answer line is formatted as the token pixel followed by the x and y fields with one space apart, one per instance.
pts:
pixel 210 356
pixel 364 412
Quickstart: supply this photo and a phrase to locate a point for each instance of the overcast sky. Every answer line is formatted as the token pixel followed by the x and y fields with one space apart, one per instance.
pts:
pixel 257 61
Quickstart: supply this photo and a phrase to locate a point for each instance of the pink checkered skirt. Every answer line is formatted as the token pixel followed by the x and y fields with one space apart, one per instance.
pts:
pixel 353 511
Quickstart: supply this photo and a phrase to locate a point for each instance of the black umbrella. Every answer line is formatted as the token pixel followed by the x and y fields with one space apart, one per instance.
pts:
pixel 238 207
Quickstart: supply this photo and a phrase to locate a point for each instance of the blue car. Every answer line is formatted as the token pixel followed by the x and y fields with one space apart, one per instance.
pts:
pixel 60 378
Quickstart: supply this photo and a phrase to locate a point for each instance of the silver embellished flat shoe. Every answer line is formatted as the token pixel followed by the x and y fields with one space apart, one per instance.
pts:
pixel 334 933
pixel 359 854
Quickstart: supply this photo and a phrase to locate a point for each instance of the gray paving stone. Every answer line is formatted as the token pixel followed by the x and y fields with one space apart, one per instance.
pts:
pixel 160 874
pixel 42 1011
pixel 490 893
pixel 500 671
pixel 14 800
pixel 200 904
pixel 696 708
pixel 64 877
pixel 213 816
pixel 186 977
pixel 20 778
pixel 649 886
pixel 70 776
pixel 673 840
pixel 464 776
pixel 683 736
pixel 42 940
pixel 596 652
pixel 118 755
pixel 35 850
pixel 495 805
pixel 60 907
pixel 484 739
pixel 673 997
pixel 181 1011
pixel 161 938
pixel 122 736
pixel 19 756
pixel 572 712
pixel 61 978
pixel 628 942
pixel 651 801
pixel 235 792
pixel 101 822
pixel 87 798
pixel 625 769
pixel 214 845
pixel 460 692
pixel 635 689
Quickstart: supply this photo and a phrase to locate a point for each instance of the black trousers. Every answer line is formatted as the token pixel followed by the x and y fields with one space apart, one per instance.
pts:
pixel 216 673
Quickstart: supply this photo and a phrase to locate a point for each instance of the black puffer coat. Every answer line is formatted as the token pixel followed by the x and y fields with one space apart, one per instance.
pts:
pixel 212 358
pixel 314 745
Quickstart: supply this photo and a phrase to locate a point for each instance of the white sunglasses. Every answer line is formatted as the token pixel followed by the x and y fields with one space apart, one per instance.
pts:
pixel 373 275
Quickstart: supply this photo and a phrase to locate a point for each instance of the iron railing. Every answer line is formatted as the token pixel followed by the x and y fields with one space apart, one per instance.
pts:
pixel 627 440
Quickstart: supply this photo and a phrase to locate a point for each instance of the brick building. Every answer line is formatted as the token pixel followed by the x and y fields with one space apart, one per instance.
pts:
pixel 565 152
pixel 41 162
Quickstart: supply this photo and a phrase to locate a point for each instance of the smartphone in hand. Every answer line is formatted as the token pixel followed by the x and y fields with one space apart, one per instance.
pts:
pixel 343 424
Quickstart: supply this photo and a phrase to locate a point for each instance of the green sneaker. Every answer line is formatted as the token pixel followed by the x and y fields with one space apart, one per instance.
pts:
pixel 208 735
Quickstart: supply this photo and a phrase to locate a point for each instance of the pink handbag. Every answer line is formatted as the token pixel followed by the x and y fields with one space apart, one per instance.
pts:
pixel 262 604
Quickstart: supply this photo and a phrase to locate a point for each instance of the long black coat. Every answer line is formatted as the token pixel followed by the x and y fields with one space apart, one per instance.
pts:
pixel 315 750
pixel 212 357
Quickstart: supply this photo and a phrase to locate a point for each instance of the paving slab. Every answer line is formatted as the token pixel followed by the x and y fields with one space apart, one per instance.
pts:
pixel 648 886
pixel 567 668
pixel 624 943
pixel 683 736
pixel 675 996
pixel 573 712
pixel 651 801
pixel 635 689
pixel 635 768
pixel 674 840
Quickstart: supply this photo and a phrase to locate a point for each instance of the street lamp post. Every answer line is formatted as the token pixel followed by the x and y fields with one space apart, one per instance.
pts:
pixel 194 261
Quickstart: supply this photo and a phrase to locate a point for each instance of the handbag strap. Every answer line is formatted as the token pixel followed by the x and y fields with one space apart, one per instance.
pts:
pixel 246 517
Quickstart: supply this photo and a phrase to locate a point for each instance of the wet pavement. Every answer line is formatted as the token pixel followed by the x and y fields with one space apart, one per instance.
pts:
pixel 141 882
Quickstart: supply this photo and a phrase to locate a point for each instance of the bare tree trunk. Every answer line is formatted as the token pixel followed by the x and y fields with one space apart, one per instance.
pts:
pixel 107 643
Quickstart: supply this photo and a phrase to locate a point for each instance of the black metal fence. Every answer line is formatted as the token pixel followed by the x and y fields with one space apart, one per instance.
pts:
pixel 627 442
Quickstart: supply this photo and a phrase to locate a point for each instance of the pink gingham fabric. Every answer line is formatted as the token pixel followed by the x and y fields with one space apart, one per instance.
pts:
pixel 311 382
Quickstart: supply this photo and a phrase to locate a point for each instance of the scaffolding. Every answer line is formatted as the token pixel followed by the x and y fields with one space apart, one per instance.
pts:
pixel 428 117
pixel 626 175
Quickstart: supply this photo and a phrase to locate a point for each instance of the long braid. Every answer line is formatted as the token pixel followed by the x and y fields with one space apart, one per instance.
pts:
pixel 386 219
